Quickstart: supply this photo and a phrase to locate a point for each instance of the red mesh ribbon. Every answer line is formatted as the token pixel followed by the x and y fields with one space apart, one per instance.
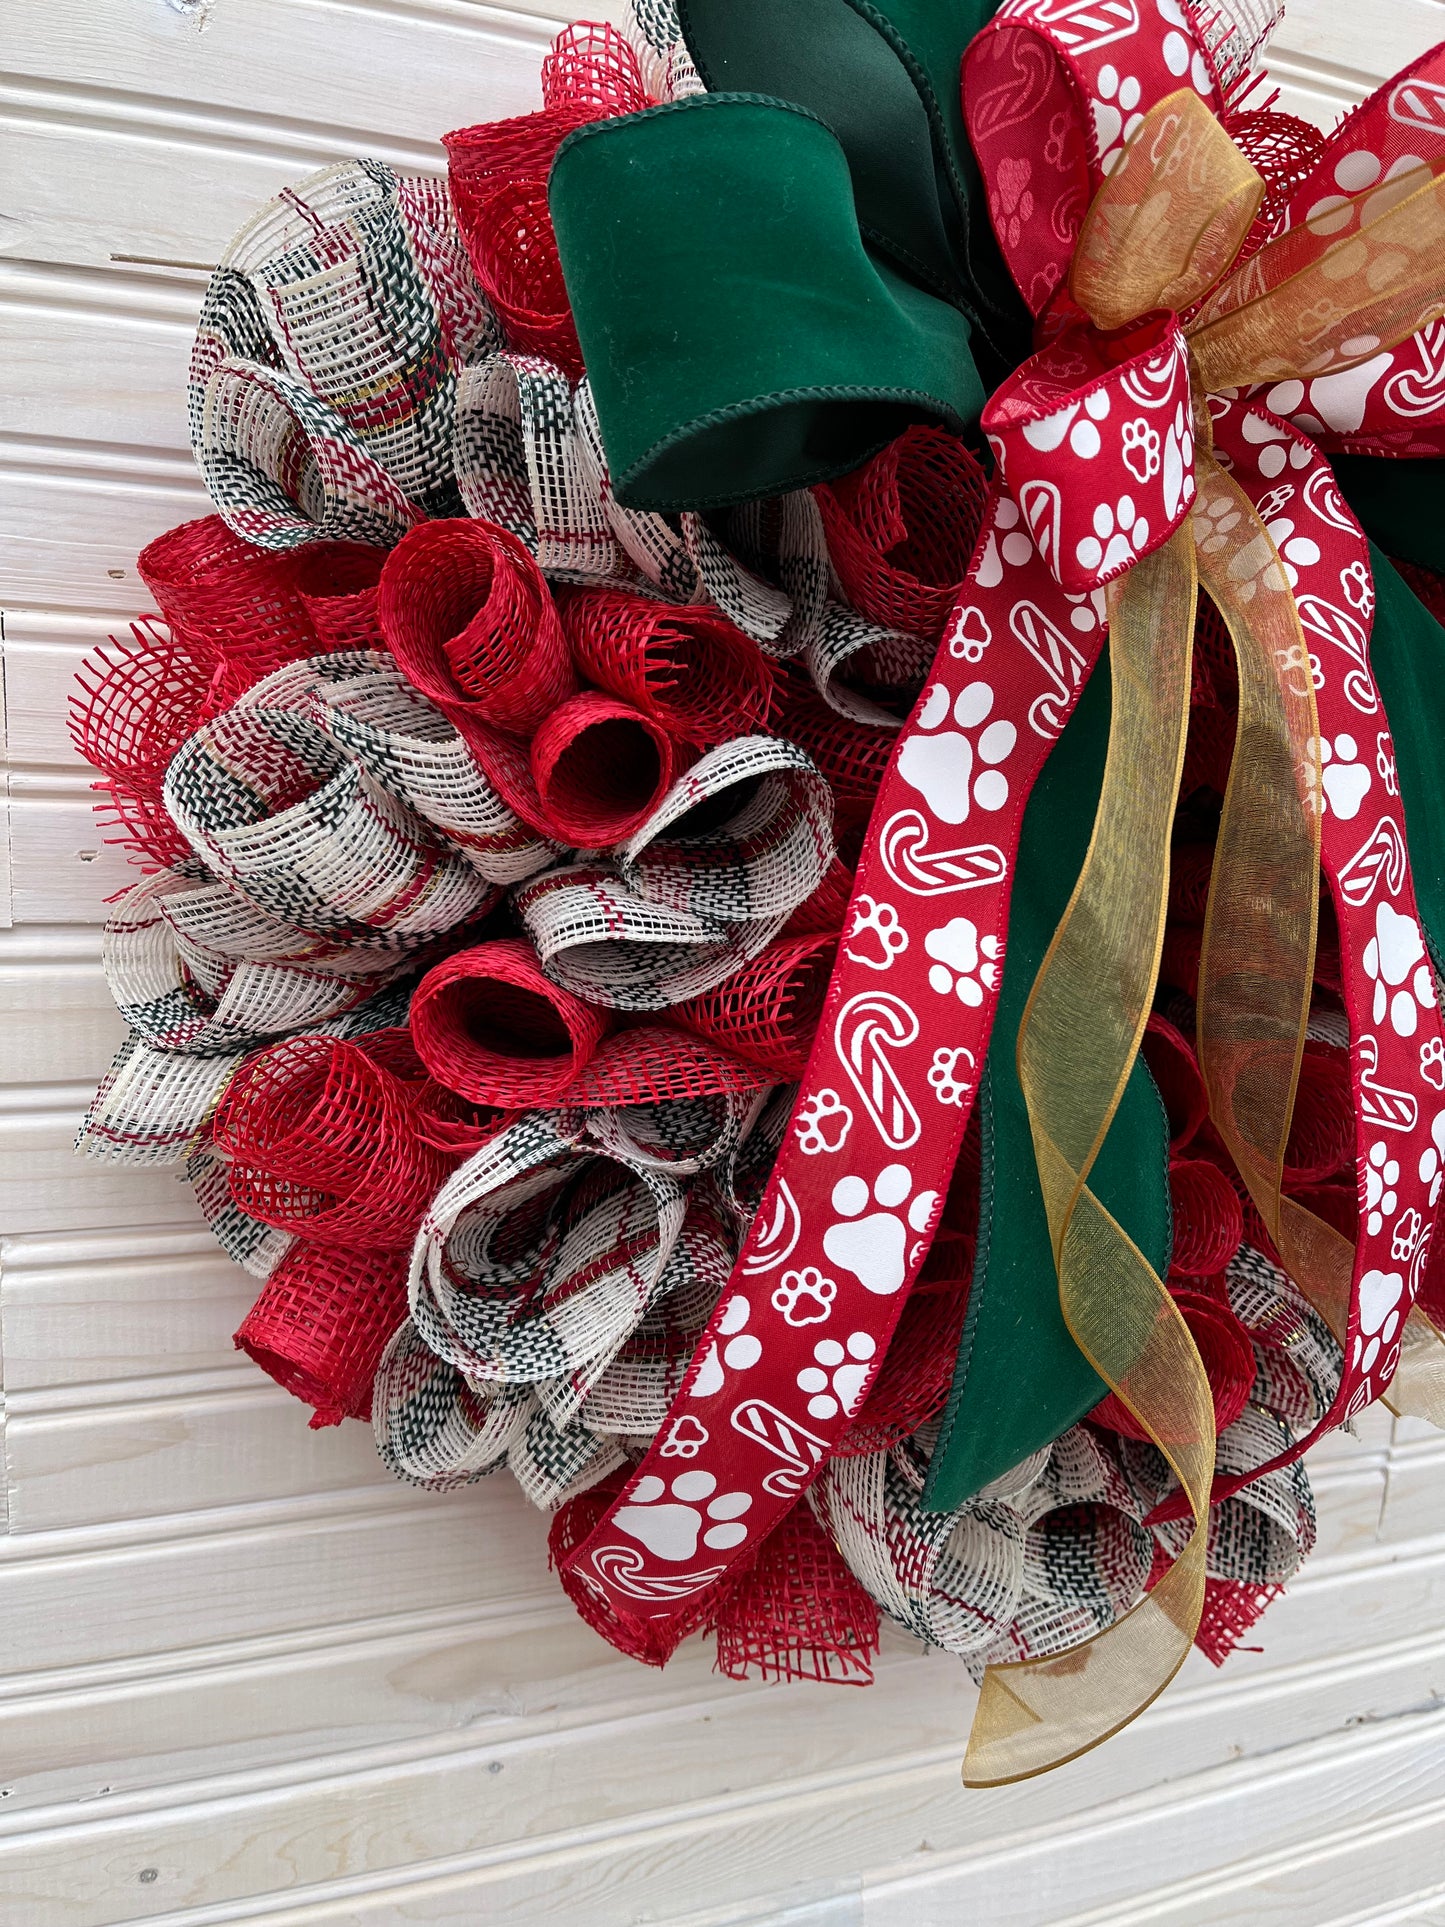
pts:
pixel 322 1140
pixel 1227 1355
pixel 498 176
pixel 601 769
pixel 688 669
pixel 471 622
pixel 228 597
pixel 1208 1217
pixel 768 1010
pixel 852 755
pixel 797 1612
pixel 338 586
pixel 902 530
pixel 321 1323
pixel 489 1025
pixel 653 1642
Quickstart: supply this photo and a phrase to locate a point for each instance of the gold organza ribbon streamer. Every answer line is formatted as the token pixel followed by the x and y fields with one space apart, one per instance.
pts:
pixel 1161 230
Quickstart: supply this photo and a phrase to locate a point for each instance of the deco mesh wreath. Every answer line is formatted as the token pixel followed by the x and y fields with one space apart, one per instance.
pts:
pixel 663 937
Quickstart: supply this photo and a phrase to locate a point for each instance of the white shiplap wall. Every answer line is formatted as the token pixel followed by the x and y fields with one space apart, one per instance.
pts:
pixel 243 1676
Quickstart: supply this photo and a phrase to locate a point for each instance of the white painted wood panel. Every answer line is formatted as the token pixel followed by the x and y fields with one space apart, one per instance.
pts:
pixel 245 1678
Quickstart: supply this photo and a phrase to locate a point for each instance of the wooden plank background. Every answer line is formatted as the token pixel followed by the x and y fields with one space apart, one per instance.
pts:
pixel 244 1677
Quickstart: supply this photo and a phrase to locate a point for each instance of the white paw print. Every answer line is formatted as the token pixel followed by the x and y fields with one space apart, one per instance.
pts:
pixel 1382 1174
pixel 1380 1295
pixel 686 1437
pixel 1393 956
pixel 950 1084
pixel 1359 588
pixel 1432 1062
pixel 824 1122
pixel 805 1297
pixel 1142 454
pixel 1406 1239
pixel 951 773
pixel 1432 1159
pixel 1177 480
pixel 1115 114
pixel 1296 551
pixel 1181 55
pixel 734 1348
pixel 670 1529
pixel 836 1381
pixel 1005 542
pixel 966 964
pixel 968 634
pixel 1385 763
pixel 1119 534
pixel 1344 779
pixel 877 937
pixel 875 1248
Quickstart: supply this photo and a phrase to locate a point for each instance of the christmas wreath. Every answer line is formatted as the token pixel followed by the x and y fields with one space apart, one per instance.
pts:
pixel 773 884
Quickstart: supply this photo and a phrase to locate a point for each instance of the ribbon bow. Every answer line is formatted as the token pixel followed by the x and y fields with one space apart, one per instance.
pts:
pixel 1131 471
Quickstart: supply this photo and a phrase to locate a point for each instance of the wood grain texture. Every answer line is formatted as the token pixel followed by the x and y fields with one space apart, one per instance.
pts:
pixel 247 1679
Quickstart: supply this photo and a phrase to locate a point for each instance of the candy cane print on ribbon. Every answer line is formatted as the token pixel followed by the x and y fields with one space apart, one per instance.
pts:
pixel 856 1192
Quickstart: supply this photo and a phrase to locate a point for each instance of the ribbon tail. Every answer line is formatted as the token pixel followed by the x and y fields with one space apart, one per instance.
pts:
pixel 1078 1041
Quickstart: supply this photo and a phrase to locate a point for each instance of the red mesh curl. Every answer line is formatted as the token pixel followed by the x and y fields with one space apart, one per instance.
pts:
pixel 690 670
pixel 1232 1607
pixel 1322 1135
pixel 338 584
pixel 768 1010
pixel 1208 1217
pixel 654 1062
pixel 321 1324
pixel 601 769
pixel 1285 150
pixel 227 597
pixel 470 620
pixel 1225 1351
pixel 797 1612
pixel 824 911
pixel 902 530
pixel 1175 1069
pixel 490 1026
pixel 322 1141
pixel 852 756
pixel 590 65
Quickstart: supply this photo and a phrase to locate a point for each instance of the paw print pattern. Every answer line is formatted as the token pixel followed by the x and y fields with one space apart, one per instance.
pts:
pixel 667 1519
pixel 823 1124
pixel 876 937
pixel 1380 1295
pixel 1395 962
pixel 956 772
pixel 969 634
pixel 1359 589
pixel 1177 479
pixel 1432 1160
pixel 1119 534
pixel 734 1349
pixel 1385 763
pixel 686 1437
pixel 951 1074
pixel 1432 1062
pixel 1142 452
pixel 805 1297
pixel 875 1248
pixel 1382 1174
pixel 1344 779
pixel 1116 114
pixel 1405 1241
pixel 1296 551
pixel 965 963
pixel 837 1378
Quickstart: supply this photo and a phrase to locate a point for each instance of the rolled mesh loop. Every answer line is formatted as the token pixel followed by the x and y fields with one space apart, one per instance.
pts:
pixel 602 770
pixel 491 1026
pixel 1225 1351
pixel 768 1010
pixel 433 1427
pixel 337 582
pixel 471 622
pixel 1208 1217
pixel 693 673
pixel 321 1323
pixel 226 597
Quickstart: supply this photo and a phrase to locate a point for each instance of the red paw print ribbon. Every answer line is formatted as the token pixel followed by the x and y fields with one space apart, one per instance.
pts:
pixel 1132 472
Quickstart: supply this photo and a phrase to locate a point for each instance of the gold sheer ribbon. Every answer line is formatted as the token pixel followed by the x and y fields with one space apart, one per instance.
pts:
pixel 1163 228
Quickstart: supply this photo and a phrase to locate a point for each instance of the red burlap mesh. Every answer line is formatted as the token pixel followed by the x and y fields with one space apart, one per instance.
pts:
pixel 1208 1217
pixel 797 1612
pixel 322 1322
pixel 470 620
pixel 1214 700
pixel 1232 1608
pixel 1175 1069
pixel 852 756
pixel 321 1140
pixel 228 598
pixel 498 177
pixel 824 911
pixel 768 1010
pixel 590 65
pixel 1322 1135
pixel 1225 1351
pixel 134 701
pixel 651 1641
pixel 1190 867
pixel 688 669
pixel 489 1025
pixel 601 769
pixel 1285 150
pixel 901 530
pixel 338 585
pixel 654 1063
